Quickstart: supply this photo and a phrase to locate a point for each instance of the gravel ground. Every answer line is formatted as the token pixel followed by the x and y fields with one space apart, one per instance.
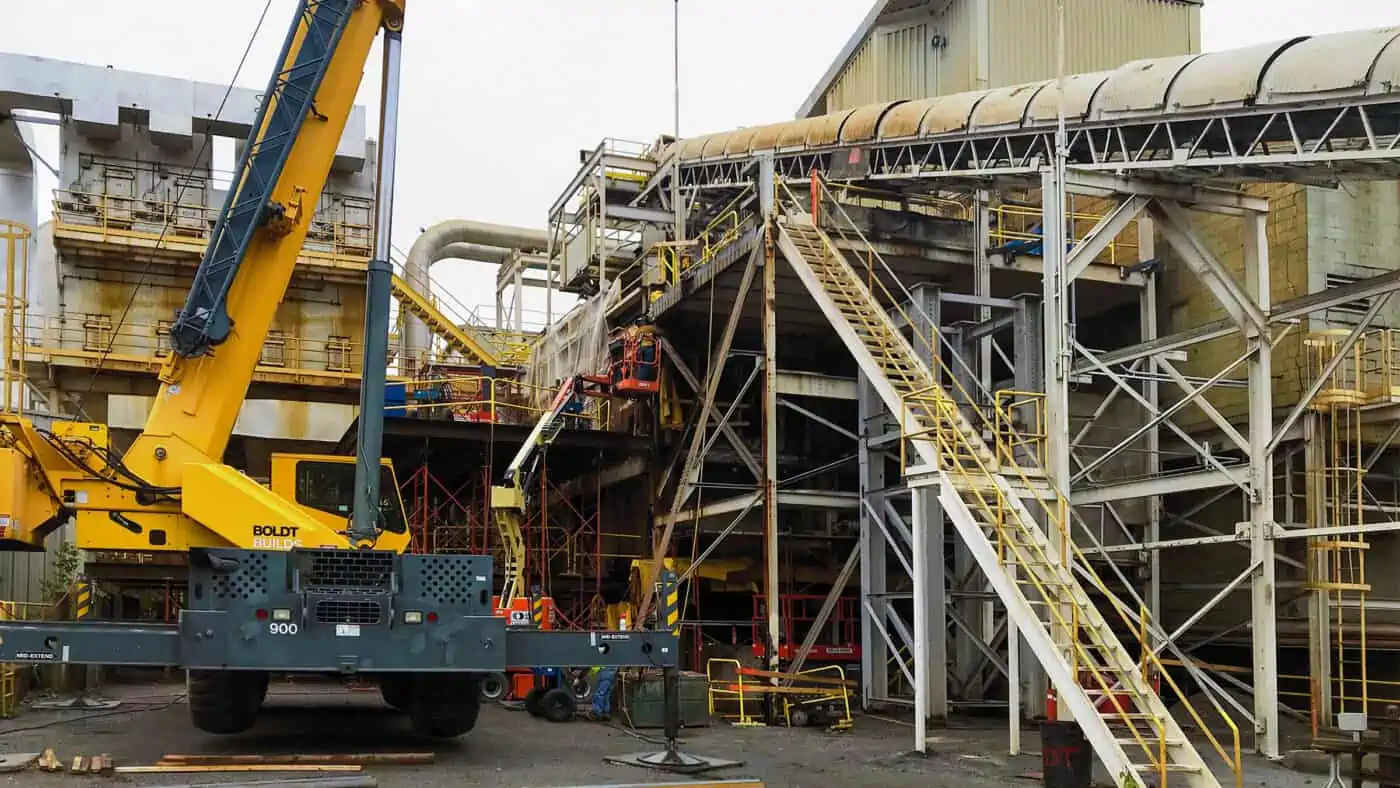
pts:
pixel 510 748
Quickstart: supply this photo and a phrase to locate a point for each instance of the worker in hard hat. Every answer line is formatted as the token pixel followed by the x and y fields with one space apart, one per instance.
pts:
pixel 603 679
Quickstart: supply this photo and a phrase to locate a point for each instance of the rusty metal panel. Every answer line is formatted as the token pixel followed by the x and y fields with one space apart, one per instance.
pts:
pixel 715 145
pixel 794 134
pixel 766 137
pixel 951 113
pixel 691 147
pixel 1100 35
pixel 1079 91
pixel 903 120
pixel 1385 77
pixel 1326 66
pixel 864 121
pixel 738 141
pixel 1139 87
pixel 1223 79
pixel 1004 107
pixel 826 129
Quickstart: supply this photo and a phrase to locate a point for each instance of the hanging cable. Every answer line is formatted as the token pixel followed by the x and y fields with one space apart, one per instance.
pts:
pixel 180 193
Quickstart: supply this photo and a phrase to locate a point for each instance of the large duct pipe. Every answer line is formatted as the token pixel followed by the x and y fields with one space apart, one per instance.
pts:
pixel 460 238
pixel 479 253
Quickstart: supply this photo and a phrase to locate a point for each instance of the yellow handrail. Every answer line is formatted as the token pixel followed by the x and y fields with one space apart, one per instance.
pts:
pixel 169 225
pixel 841 691
pixel 744 719
pixel 1019 223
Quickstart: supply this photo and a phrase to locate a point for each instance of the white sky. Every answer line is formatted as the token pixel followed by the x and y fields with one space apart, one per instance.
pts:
pixel 499 97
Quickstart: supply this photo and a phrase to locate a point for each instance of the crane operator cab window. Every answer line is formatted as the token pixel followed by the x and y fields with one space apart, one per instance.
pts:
pixel 329 486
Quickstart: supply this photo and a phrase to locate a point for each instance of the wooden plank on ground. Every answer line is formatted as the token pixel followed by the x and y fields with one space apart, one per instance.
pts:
pixel 362 759
pixel 178 768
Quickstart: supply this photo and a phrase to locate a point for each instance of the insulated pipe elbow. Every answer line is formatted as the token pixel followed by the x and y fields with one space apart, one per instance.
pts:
pixel 469 239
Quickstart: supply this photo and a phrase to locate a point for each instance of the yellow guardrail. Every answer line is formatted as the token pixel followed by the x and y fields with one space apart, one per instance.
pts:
pixel 1380 360
pixel 1019 225
pixel 14 246
pixel 955 450
pixel 105 217
pixel 1020 428
pixel 89 339
pixel 839 693
pixel 496 400
pixel 716 236
pixel 9 674
pixel 455 322
pixel 719 694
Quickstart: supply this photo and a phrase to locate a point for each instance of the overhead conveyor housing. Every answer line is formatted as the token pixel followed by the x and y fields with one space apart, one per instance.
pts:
pixel 1331 99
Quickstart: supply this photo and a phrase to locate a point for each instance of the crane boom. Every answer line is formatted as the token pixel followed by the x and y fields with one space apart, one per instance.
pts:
pixel 263 223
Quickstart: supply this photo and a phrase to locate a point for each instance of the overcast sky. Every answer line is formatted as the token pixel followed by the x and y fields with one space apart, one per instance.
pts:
pixel 498 97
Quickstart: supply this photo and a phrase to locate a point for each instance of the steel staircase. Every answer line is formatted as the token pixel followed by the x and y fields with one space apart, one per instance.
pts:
pixel 1098 680
pixel 457 336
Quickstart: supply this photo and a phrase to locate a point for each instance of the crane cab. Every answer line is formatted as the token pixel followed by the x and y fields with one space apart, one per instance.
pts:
pixel 323 486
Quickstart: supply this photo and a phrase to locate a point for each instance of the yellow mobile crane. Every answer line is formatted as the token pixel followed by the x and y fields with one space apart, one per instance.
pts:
pixel 279 580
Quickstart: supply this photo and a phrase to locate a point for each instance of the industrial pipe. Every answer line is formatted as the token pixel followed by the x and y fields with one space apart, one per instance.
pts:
pixel 479 253
pixel 466 239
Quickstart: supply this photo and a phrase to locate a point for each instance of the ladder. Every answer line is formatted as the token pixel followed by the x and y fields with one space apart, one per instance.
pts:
pixel 457 336
pixel 1097 679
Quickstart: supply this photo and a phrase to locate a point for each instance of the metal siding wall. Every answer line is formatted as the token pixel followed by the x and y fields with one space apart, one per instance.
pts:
pixel 1099 35
pixel 956 62
pixel 906 63
pixel 856 83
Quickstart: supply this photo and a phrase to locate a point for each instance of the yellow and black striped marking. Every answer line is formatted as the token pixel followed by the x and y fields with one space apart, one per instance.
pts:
pixel 537 611
pixel 82 600
pixel 671 604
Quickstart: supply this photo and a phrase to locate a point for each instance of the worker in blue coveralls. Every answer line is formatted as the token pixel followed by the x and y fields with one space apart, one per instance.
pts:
pixel 602 694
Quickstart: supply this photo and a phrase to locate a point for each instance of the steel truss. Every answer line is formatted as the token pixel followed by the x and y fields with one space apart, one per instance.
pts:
pixel 1317 144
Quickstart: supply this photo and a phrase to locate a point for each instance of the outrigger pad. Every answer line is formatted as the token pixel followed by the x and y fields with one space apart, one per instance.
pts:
pixel 672 761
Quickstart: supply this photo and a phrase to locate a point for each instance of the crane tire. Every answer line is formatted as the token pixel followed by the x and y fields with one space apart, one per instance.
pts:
pixel 494 687
pixel 395 691
pixel 225 701
pixel 444 705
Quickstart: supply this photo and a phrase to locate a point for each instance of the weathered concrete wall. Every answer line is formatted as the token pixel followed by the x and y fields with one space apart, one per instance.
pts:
pixel 1188 304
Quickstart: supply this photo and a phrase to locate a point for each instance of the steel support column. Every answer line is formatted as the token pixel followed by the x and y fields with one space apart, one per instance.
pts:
pixel 1147 318
pixel 1059 341
pixel 930 660
pixel 1261 499
pixel 1319 602
pixel 874 576
pixel 930 614
pixel 770 408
